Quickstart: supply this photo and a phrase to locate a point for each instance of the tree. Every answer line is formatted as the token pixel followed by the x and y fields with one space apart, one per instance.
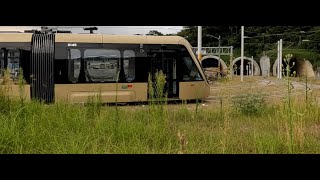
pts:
pixel 264 38
pixel 155 32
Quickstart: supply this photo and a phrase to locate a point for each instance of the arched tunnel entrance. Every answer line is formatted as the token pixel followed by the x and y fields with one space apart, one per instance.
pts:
pixel 298 68
pixel 210 65
pixel 247 66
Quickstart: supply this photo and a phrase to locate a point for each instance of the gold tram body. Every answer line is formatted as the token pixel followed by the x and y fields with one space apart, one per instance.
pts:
pixel 110 91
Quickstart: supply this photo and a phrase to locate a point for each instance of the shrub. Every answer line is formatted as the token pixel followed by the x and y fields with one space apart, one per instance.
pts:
pixel 250 104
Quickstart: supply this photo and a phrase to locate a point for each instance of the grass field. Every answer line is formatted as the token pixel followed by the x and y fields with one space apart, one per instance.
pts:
pixel 239 118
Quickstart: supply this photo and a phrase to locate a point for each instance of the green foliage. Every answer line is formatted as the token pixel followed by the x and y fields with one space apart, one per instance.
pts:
pixel 157 97
pixel 265 38
pixel 288 100
pixel 155 33
pixel 298 54
pixel 250 104
pixel 156 86
pixel 5 101
pixel 21 83
pixel 66 129
pixel 30 127
pixel 94 104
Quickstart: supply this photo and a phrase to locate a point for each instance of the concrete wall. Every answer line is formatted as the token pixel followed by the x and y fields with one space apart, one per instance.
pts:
pixel 302 68
pixel 305 68
pixel 222 63
pixel 256 67
pixel 265 66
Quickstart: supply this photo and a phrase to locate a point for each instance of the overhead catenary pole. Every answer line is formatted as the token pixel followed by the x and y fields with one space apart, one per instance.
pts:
pixel 219 65
pixel 199 42
pixel 280 57
pixel 242 49
pixel 252 66
pixel 231 63
pixel 278 60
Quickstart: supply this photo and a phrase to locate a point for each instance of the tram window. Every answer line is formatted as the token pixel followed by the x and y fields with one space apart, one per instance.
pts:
pixel 129 65
pixel 102 65
pixel 74 56
pixel 190 70
pixel 13 63
pixel 142 65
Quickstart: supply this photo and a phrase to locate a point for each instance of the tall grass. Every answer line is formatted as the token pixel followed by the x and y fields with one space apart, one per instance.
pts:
pixel 289 99
pixel 66 128
pixel 159 128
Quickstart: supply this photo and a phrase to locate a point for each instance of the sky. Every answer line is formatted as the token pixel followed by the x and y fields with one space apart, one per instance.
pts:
pixel 105 29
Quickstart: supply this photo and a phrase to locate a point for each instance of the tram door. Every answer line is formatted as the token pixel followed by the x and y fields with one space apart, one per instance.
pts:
pixel 166 61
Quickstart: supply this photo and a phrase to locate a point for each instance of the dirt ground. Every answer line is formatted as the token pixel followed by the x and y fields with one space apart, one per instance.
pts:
pixel 274 91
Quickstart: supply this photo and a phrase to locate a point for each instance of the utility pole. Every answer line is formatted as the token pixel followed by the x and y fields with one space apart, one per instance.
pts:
pixel 242 49
pixel 219 57
pixel 231 62
pixel 278 58
pixel 199 42
pixel 280 54
pixel 252 66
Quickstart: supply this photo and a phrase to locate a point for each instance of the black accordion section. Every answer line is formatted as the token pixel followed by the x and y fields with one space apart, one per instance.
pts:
pixel 42 67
